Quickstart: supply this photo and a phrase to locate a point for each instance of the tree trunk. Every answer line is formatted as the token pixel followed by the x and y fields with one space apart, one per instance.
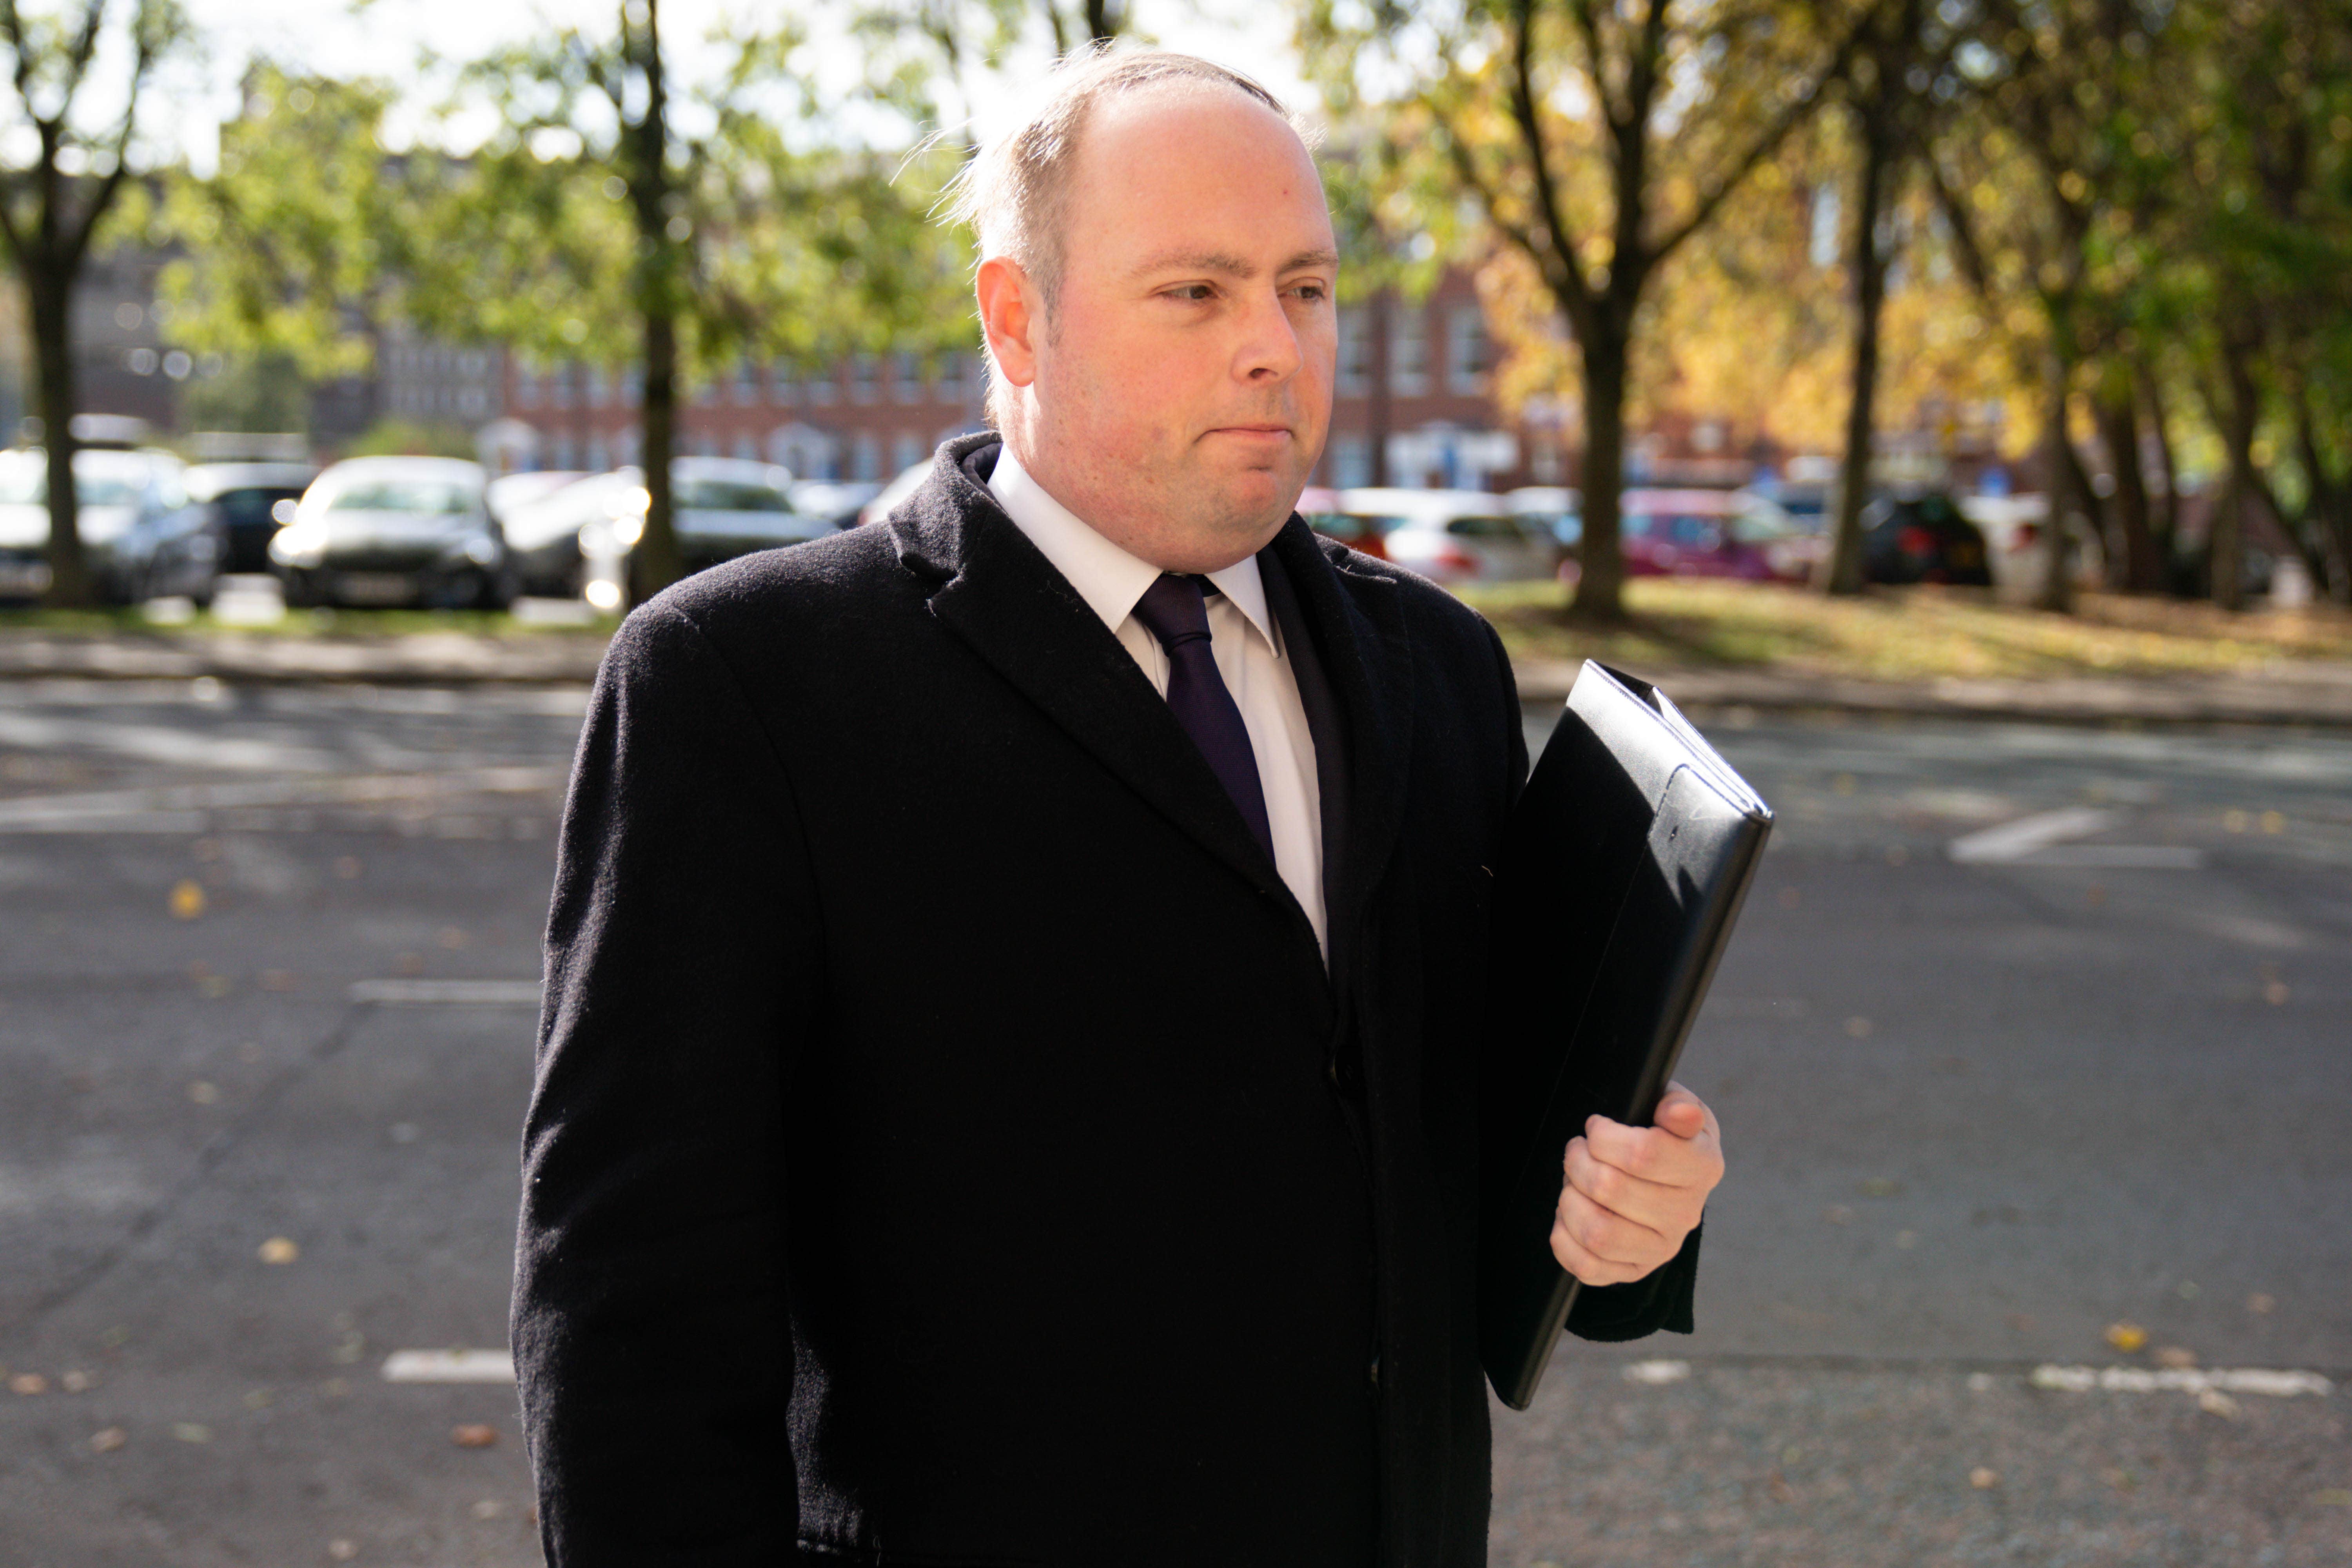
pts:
pixel 2057 588
pixel 1600 582
pixel 1843 572
pixel 655 561
pixel 2226 547
pixel 2136 568
pixel 1377 395
pixel 50 301
pixel 2164 519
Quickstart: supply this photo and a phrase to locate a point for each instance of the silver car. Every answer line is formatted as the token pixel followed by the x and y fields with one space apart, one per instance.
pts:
pixel 1456 536
pixel 132 505
pixel 394 531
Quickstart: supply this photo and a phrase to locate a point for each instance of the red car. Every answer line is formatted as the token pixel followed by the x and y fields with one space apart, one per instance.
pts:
pixel 1714 533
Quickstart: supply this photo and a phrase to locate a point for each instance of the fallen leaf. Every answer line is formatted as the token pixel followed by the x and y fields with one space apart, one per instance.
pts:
pixel 28 1383
pixel 2177 1356
pixel 107 1439
pixel 1878 1187
pixel 1984 1479
pixel 2127 1337
pixel 187 900
pixel 1906 1239
pixel 75 1383
pixel 2214 1402
pixel 1857 1028
pixel 474 1435
pixel 204 1093
pixel 348 867
pixel 2259 1304
pixel 192 1432
pixel 450 937
pixel 277 980
pixel 1838 1214
pixel 341 1550
pixel 2333 1497
pixel 2276 992
pixel 280 1249
pixel 488 1508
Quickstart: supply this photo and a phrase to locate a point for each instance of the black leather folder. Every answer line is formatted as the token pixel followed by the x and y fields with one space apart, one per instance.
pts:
pixel 1624 869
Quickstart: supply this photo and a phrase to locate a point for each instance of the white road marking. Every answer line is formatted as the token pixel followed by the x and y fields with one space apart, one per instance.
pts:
pixel 448 1366
pixel 440 993
pixel 163 744
pixel 2041 840
pixel 2180 1379
pixel 182 807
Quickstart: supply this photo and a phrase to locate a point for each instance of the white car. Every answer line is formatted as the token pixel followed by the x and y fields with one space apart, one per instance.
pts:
pixel 722 507
pixel 125 497
pixel 394 531
pixel 1456 536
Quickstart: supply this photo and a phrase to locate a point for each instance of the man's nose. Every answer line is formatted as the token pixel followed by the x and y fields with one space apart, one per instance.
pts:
pixel 1269 352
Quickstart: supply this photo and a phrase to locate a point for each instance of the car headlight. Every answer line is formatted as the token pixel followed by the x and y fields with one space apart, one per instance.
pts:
pixel 298 544
pixel 482 550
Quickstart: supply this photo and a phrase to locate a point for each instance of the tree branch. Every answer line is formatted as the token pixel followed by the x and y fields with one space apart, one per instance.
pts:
pixel 1567 272
pixel 1791 115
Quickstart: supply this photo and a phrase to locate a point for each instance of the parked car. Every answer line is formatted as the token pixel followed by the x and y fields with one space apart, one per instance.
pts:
pixel 249 503
pixel 1714 533
pixel 1556 509
pixel 395 531
pixel 724 507
pixel 130 504
pixel 891 495
pixel 1453 536
pixel 835 501
pixel 1923 540
pixel 1321 511
pixel 541 514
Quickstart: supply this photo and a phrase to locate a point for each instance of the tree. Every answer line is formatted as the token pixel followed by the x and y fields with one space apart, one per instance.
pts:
pixel 301 247
pixel 52 206
pixel 591 227
pixel 1595 140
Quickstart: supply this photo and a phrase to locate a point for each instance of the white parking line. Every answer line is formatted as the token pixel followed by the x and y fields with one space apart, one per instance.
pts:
pixel 448 1366
pixel 2041 840
pixel 448 992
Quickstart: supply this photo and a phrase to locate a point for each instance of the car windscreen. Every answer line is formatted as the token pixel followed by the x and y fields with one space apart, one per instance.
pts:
pixel 726 494
pixel 427 496
pixel 250 508
pixel 1485 528
pixel 26 483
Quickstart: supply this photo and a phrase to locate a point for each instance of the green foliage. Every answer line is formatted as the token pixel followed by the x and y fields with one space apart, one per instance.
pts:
pixel 412 438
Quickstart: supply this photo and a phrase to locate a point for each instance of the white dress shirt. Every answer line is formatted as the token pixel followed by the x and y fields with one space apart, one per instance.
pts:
pixel 1247 645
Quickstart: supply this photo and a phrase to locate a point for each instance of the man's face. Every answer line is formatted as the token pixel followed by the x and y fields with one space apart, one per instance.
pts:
pixel 1178 395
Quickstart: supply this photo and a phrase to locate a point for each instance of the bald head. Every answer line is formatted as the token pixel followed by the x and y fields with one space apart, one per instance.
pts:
pixel 1169 377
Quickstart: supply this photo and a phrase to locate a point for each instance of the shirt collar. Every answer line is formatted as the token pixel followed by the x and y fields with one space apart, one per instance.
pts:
pixel 1106 576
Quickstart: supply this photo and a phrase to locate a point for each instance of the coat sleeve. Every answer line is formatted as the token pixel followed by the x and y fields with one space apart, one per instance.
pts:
pixel 1661 1299
pixel 650 1302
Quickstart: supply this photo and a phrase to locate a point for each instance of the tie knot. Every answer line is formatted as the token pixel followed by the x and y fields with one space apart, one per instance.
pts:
pixel 1174 610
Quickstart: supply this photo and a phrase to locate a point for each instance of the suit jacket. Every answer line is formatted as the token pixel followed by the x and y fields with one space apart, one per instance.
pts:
pixel 948 1145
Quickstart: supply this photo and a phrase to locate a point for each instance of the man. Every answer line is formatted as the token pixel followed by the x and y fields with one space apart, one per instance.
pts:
pixel 1013 981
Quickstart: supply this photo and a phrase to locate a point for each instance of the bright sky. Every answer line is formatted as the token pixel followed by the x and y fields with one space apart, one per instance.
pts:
pixel 384 37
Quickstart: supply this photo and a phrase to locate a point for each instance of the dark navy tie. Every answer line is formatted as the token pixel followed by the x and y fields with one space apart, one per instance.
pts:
pixel 1175 612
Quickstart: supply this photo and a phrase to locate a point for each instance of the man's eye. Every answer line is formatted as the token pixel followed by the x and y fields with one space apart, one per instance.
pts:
pixel 1191 292
pixel 1314 292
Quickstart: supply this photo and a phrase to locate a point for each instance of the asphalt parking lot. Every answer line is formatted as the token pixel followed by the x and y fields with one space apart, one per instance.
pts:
pixel 265 1038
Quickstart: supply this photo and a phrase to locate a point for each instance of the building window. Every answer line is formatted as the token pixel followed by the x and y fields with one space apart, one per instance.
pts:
pixel 1467 360
pixel 563 451
pixel 599 454
pixel 866 459
pixel 825 386
pixel 948 386
pixel 527 389
pixel 1409 353
pixel 706 446
pixel 599 390
pixel 747 384
pixel 866 378
pixel 706 392
pixel 560 384
pixel 1352 462
pixel 633 385
pixel 1355 353
pixel 472 401
pixel 905 451
pixel 906 380
pixel 783 383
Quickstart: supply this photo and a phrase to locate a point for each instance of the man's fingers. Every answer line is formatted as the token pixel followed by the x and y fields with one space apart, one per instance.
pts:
pixel 1606 1235
pixel 1664 1153
pixel 1580 1260
pixel 1667 1210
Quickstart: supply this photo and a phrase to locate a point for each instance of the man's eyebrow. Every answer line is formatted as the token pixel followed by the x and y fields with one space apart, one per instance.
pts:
pixel 1227 265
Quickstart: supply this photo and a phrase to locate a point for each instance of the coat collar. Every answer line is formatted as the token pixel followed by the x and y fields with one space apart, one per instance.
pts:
pixel 997 592
pixel 1000 594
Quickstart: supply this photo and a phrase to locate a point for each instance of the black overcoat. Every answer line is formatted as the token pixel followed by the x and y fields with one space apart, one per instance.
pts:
pixel 949 1146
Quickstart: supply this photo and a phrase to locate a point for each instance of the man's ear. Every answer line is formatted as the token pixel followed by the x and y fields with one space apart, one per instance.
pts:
pixel 1008 318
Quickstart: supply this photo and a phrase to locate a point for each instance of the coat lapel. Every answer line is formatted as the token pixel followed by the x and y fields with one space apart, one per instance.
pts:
pixel 1358 625
pixel 999 595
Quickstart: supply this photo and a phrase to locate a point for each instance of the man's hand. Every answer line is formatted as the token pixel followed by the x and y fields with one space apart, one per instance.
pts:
pixel 1632 1193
